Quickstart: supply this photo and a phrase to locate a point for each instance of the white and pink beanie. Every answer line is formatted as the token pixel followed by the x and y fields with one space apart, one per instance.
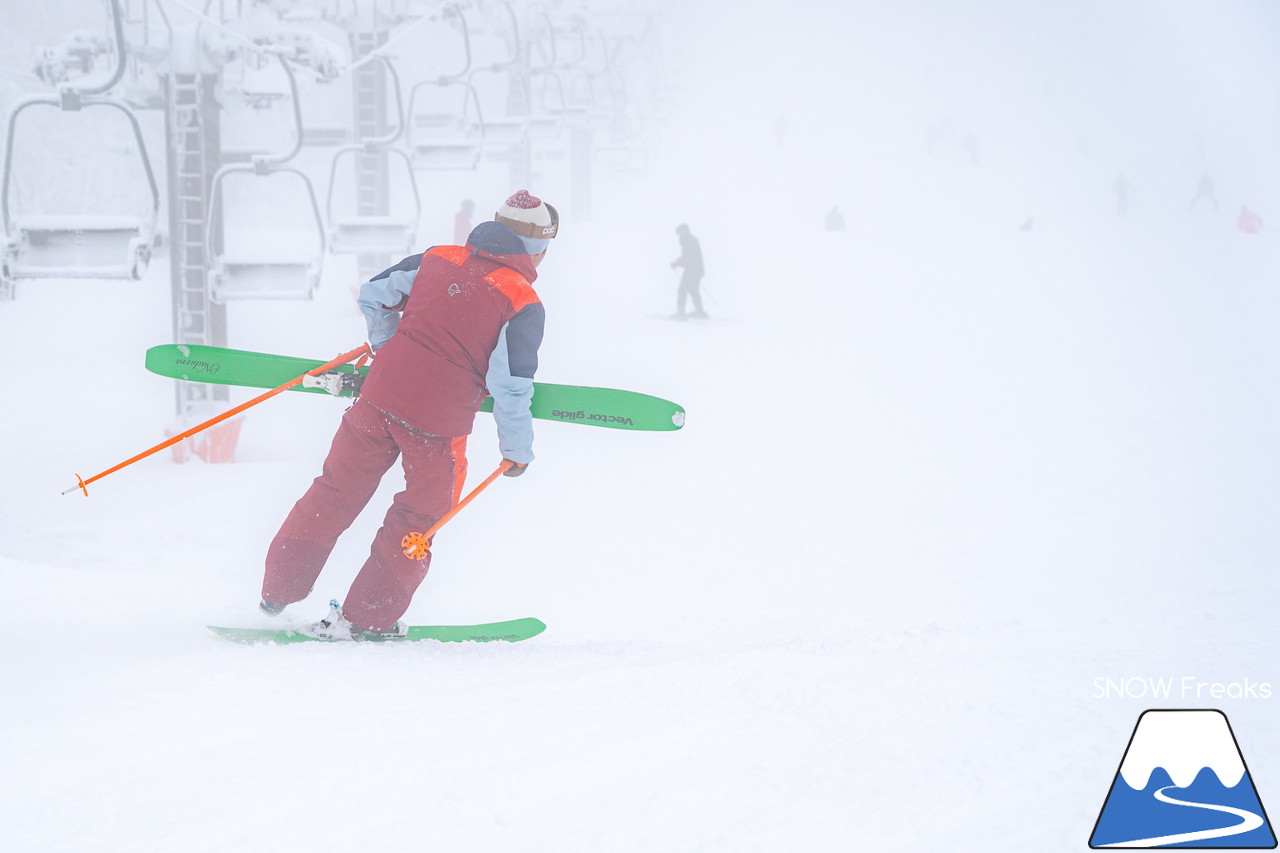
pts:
pixel 534 221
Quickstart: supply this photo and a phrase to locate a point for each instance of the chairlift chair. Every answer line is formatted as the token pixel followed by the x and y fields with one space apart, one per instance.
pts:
pixel 75 245
pixel 579 96
pixel 253 96
pixel 444 133
pixel 72 245
pixel 367 233
pixel 272 267
pixel 547 111
pixel 590 99
pixel 544 125
pixel 443 136
pixel 552 110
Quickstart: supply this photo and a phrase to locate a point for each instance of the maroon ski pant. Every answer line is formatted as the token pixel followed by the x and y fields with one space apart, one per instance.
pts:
pixel 367 444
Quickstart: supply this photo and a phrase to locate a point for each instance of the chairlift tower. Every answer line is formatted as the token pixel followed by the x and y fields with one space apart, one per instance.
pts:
pixel 369 107
pixel 193 137
pixel 370 227
pixel 204 275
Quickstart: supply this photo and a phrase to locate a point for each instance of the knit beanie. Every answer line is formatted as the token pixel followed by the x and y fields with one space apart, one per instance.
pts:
pixel 532 220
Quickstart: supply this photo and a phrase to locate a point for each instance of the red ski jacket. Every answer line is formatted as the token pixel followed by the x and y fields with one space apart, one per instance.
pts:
pixel 471 326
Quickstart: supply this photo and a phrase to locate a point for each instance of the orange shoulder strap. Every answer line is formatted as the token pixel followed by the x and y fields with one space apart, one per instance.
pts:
pixel 514 286
pixel 453 254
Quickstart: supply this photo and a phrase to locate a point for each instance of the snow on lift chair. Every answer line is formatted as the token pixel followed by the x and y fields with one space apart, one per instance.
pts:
pixel 442 134
pixel 547 110
pixel 109 246
pixel 271 267
pixel 442 138
pixel 365 233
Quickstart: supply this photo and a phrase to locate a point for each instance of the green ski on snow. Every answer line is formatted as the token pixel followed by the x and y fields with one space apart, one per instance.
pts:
pixel 580 404
pixel 510 631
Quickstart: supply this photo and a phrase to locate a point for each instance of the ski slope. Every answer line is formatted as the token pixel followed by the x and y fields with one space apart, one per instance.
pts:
pixel 939 475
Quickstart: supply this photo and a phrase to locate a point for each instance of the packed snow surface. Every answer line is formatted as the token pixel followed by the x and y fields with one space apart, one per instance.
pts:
pixel 1009 434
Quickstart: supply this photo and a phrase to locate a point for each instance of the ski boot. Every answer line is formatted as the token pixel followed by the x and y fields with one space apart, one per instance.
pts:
pixel 336 627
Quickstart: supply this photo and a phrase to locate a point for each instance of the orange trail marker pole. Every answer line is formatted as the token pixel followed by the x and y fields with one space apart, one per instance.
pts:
pixel 417 545
pixel 362 352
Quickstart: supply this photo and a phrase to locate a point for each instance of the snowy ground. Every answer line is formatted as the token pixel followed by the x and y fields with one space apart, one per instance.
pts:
pixel 939 475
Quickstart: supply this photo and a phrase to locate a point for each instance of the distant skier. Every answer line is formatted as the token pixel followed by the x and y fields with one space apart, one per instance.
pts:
pixel 691 259
pixel 462 222
pixel 1122 188
pixel 1204 190
pixel 1248 221
pixel 450 326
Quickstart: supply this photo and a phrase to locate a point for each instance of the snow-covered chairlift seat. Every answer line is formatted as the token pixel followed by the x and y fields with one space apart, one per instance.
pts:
pixel 443 135
pixel 444 142
pixel 356 235
pixel 74 245
pixel 79 246
pixel 265 273
pixel 269 263
pixel 368 233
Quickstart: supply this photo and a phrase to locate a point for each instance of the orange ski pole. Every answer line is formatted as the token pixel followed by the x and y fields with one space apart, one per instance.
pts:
pixel 417 545
pixel 361 351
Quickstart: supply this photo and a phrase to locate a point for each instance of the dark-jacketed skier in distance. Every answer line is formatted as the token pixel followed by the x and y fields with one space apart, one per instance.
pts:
pixel 449 327
pixel 691 259
pixel 1204 190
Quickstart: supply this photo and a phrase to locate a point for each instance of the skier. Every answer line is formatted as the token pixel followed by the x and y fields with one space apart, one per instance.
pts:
pixel 450 326
pixel 1204 190
pixel 1248 221
pixel 691 259
pixel 1122 188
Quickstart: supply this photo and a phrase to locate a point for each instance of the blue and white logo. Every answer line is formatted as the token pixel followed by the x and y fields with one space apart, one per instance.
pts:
pixel 1183 783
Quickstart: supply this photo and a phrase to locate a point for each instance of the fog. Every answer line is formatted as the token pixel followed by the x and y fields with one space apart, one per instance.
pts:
pixel 958 479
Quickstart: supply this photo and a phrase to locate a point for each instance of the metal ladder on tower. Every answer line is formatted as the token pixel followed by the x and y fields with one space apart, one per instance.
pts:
pixel 193 320
pixel 373 191
pixel 370 119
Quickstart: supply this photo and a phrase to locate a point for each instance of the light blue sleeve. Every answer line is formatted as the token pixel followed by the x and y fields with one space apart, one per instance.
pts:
pixel 380 302
pixel 511 396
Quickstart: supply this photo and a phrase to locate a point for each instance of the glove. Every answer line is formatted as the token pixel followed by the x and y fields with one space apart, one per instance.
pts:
pixel 515 470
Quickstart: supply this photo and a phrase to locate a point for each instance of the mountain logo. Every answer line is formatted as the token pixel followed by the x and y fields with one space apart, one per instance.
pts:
pixel 1183 783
